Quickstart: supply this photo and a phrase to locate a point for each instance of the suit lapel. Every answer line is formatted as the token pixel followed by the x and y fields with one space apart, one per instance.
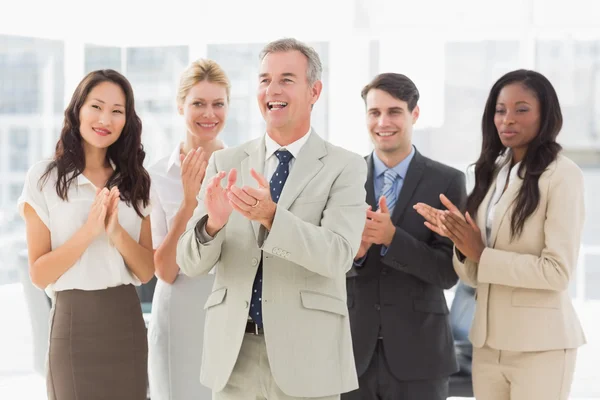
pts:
pixel 501 211
pixel 370 184
pixel 482 213
pixel 256 159
pixel 411 181
pixel 306 166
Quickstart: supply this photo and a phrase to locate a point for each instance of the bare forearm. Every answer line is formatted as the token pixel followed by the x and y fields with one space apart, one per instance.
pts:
pixel 165 257
pixel 51 266
pixel 138 259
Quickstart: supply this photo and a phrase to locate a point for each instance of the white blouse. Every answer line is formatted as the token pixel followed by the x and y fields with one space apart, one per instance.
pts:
pixel 506 172
pixel 167 194
pixel 101 265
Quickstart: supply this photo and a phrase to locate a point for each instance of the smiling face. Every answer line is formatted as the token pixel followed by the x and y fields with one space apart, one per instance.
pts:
pixel 517 117
pixel 102 115
pixel 205 110
pixel 285 97
pixel 390 123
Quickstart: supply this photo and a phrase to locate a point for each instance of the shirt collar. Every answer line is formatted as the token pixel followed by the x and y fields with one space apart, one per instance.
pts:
pixel 82 180
pixel 174 160
pixel 505 168
pixel 401 168
pixel 294 148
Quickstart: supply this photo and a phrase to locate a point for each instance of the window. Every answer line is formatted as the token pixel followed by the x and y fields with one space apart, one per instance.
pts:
pixel 15 191
pixel 102 57
pixel 240 62
pixel 471 68
pixel 154 75
pixel 18 142
pixel 32 76
pixel 32 87
pixel 573 68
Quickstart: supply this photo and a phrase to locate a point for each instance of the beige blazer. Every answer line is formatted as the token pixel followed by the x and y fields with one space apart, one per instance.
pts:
pixel 522 295
pixel 315 234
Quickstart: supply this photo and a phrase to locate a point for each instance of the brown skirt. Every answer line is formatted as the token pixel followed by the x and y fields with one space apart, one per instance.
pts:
pixel 98 346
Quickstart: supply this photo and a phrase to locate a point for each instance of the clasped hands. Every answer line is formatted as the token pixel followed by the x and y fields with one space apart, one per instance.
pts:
pixel 378 229
pixel 451 223
pixel 104 213
pixel 253 203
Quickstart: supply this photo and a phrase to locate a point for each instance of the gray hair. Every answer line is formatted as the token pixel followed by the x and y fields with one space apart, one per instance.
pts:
pixel 314 70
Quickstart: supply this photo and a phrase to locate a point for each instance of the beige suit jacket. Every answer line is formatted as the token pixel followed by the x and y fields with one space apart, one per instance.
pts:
pixel 523 303
pixel 315 234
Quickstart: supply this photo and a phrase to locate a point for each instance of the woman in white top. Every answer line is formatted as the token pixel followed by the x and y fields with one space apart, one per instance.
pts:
pixel 177 322
pixel 518 244
pixel 89 242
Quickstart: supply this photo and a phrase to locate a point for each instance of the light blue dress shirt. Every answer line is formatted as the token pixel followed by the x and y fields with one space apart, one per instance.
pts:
pixel 378 170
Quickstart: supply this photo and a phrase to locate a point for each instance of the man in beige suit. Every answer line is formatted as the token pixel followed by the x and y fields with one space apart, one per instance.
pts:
pixel 282 234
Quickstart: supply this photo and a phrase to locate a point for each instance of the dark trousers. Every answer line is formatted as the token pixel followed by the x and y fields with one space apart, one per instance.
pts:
pixel 378 383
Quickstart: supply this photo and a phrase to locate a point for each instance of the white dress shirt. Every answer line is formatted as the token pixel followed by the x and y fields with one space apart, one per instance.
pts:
pixel 101 265
pixel 271 160
pixel 506 172
pixel 167 194
pixel 176 323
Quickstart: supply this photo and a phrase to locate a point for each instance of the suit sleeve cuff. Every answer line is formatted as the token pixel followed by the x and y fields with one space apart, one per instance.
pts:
pixel 460 256
pixel 201 234
pixel 360 262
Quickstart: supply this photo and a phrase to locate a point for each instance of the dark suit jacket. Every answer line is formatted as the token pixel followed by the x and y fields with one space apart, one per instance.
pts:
pixel 400 295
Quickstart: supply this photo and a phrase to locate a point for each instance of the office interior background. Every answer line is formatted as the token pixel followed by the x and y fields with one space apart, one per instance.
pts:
pixel 454 51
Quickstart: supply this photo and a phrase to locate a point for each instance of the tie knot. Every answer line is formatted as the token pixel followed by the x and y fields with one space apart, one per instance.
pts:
pixel 284 156
pixel 390 175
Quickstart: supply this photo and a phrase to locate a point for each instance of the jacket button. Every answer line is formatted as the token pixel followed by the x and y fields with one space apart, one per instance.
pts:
pixel 377 307
pixel 254 261
pixel 246 304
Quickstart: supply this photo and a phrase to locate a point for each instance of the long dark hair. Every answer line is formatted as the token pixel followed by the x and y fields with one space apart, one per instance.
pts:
pixel 127 153
pixel 541 151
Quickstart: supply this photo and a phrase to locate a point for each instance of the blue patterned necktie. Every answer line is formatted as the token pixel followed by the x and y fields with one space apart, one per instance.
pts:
pixel 276 184
pixel 389 189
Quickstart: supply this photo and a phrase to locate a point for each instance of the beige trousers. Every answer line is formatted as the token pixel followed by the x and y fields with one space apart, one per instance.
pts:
pixel 251 378
pixel 536 375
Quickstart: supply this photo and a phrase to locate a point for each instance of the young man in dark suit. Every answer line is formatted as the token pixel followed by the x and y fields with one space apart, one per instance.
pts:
pixel 401 334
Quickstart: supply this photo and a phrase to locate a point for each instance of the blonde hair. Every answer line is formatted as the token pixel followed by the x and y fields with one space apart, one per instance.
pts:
pixel 198 71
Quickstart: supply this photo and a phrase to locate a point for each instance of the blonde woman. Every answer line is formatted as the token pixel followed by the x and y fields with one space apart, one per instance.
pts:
pixel 176 326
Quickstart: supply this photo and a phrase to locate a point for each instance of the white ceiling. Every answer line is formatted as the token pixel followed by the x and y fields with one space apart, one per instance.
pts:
pixel 171 22
pixel 131 22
